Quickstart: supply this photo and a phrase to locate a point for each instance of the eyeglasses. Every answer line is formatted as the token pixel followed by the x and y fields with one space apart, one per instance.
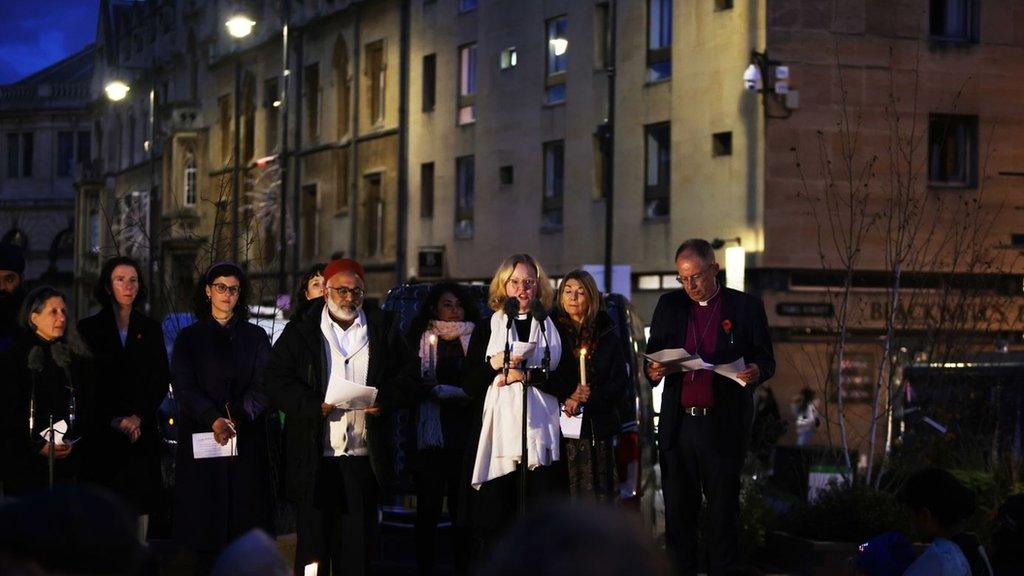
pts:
pixel 224 288
pixel 695 278
pixel 344 291
pixel 525 283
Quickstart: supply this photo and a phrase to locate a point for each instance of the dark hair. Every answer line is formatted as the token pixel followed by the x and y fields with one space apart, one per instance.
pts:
pixel 428 308
pixel 33 304
pixel 201 302
pixel 299 303
pixel 700 247
pixel 587 330
pixel 103 291
pixel 576 538
pixel 938 491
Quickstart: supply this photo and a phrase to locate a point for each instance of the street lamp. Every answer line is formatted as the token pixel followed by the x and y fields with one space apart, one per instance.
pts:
pixel 239 27
pixel 116 90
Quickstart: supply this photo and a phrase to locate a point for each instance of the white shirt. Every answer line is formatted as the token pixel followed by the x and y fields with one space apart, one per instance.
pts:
pixel 348 350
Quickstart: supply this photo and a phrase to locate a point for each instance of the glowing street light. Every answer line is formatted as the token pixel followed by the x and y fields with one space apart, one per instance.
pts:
pixel 117 90
pixel 559 45
pixel 240 26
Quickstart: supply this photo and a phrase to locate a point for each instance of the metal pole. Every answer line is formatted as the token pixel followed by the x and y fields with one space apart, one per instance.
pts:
pixel 154 203
pixel 282 158
pixel 235 164
pixel 608 144
pixel 403 152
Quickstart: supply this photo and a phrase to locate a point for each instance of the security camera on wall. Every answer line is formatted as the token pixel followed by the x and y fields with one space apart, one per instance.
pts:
pixel 752 79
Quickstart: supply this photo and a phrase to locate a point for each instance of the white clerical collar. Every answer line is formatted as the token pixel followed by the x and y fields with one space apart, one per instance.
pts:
pixel 718 288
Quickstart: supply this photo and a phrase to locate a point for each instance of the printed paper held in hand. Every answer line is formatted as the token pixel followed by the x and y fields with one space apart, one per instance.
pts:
pixel 204 445
pixel 731 369
pixel 59 430
pixel 678 359
pixel 348 395
pixel 523 349
pixel 572 426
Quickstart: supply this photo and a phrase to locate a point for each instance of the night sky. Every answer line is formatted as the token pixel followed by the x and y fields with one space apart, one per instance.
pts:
pixel 37 33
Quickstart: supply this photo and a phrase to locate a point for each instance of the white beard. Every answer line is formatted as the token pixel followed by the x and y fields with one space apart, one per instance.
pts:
pixel 343 313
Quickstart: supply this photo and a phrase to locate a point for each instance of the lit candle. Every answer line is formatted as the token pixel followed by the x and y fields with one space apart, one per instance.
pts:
pixel 432 355
pixel 583 366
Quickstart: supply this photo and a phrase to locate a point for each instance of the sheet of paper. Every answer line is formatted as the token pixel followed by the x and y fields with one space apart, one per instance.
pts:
pixel 670 356
pixel 731 369
pixel 571 426
pixel 523 348
pixel 60 428
pixel 205 446
pixel 310 569
pixel 348 395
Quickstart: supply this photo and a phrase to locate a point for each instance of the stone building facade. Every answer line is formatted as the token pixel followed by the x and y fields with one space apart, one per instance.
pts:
pixel 45 132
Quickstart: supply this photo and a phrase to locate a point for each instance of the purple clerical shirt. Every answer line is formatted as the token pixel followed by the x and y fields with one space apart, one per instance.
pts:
pixel 701 339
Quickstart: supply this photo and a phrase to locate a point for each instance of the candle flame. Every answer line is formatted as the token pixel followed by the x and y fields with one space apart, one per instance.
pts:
pixel 433 339
pixel 583 351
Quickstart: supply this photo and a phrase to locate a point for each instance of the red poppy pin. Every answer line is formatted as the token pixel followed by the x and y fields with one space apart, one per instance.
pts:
pixel 727 327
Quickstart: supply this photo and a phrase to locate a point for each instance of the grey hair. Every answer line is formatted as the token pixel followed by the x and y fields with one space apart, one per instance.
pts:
pixel 699 247
pixel 34 303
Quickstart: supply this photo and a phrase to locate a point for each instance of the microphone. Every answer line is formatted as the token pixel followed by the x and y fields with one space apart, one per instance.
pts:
pixel 61 355
pixel 511 309
pixel 540 314
pixel 35 359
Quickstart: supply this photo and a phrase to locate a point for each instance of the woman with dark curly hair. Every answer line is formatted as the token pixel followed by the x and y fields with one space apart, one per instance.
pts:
pixel 48 378
pixel 585 328
pixel 128 349
pixel 217 366
pixel 442 416
pixel 309 291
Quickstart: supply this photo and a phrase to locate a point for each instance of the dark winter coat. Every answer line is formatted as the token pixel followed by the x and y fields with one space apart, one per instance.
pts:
pixel 296 382
pixel 27 469
pixel 606 376
pixel 132 381
pixel 217 371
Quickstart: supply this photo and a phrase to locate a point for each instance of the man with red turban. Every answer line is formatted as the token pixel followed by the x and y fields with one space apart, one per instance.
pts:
pixel 336 373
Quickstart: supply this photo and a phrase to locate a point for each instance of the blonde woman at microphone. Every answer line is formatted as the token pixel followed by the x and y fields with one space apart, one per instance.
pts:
pixel 48 378
pixel 502 353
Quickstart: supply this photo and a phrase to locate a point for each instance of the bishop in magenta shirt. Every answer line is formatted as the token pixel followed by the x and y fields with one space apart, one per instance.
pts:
pixel 701 339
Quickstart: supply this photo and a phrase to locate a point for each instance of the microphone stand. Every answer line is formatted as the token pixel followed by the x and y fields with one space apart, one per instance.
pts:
pixel 49 451
pixel 525 449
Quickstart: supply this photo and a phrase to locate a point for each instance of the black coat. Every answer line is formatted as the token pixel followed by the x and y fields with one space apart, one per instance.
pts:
pixel 748 338
pixel 133 382
pixel 296 382
pixel 606 376
pixel 218 370
pixel 27 470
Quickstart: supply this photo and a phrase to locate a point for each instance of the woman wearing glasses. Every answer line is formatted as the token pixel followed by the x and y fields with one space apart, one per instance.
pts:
pixel 494 453
pixel 217 366
pixel 128 348
pixel 587 329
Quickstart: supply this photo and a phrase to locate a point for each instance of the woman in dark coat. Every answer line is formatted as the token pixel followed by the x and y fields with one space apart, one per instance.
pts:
pixel 217 366
pixel 47 376
pixel 442 416
pixel 128 350
pixel 584 325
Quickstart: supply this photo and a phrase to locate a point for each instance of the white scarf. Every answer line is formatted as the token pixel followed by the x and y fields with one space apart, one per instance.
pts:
pixel 500 448
pixel 429 433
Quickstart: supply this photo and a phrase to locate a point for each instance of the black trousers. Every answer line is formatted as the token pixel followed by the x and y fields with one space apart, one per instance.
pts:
pixel 436 479
pixel 693 469
pixel 338 527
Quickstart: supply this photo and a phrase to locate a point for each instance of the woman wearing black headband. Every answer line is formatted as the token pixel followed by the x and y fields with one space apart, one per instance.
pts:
pixel 217 366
